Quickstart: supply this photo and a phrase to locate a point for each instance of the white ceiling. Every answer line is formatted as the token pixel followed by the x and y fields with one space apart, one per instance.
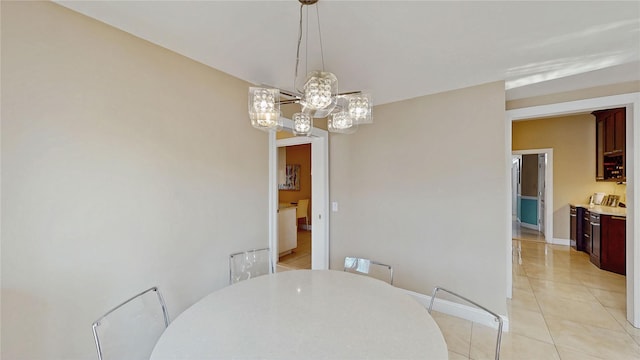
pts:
pixel 398 50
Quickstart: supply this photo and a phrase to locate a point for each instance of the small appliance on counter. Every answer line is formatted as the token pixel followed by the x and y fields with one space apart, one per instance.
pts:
pixel 596 198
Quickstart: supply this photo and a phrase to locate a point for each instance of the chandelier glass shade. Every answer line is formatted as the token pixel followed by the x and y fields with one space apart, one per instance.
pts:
pixel 319 91
pixel 317 96
pixel 359 108
pixel 264 108
pixel 302 124
pixel 339 120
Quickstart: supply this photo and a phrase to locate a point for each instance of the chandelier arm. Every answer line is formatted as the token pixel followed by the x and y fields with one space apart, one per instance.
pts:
pixel 290 93
pixel 290 101
pixel 348 93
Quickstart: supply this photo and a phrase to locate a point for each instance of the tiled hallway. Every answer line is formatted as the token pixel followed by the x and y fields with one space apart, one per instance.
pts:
pixel 563 307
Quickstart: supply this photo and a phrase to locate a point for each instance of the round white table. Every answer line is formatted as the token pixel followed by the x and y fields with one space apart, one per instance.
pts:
pixel 304 314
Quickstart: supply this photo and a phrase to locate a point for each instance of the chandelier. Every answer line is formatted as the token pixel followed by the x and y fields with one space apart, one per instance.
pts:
pixel 317 96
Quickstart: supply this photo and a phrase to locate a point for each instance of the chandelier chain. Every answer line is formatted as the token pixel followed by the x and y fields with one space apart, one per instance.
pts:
pixel 320 36
pixel 295 77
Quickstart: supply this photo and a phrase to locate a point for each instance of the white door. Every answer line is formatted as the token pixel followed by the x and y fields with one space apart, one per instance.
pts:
pixel 515 185
pixel 542 167
pixel 319 204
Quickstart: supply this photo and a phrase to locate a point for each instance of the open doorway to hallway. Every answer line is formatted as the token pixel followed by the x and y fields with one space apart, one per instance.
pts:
pixel 532 194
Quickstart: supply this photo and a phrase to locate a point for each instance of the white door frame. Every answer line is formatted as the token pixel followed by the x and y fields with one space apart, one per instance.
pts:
pixel 319 141
pixel 515 185
pixel 542 188
pixel 632 103
pixel 548 195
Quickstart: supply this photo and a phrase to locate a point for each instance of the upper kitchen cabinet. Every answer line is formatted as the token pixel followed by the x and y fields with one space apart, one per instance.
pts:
pixel 610 144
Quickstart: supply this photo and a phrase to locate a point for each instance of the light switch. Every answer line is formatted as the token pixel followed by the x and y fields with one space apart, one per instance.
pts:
pixel 334 206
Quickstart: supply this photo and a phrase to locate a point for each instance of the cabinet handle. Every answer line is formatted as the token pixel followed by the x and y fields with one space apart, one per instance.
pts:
pixel 619 218
pixel 594 224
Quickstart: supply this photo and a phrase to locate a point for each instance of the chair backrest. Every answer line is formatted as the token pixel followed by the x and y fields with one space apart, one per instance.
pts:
pixel 302 208
pixel 497 317
pixel 245 265
pixel 131 329
pixel 369 267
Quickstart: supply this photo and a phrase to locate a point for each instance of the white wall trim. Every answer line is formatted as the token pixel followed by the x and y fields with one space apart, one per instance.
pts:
pixel 529 226
pixel 632 103
pixel 462 311
pixel 558 241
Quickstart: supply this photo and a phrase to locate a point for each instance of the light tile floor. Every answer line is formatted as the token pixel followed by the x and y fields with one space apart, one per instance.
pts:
pixel 300 258
pixel 563 307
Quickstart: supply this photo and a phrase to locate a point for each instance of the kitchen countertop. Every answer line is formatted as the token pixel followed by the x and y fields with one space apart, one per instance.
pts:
pixel 604 210
pixel 282 206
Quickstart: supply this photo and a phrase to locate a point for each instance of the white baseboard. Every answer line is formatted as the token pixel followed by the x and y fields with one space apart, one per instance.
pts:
pixel 466 312
pixel 557 241
pixel 529 226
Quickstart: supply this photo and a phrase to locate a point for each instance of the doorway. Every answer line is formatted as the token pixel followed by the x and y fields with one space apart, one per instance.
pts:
pixel 532 194
pixel 319 201
pixel 294 195
pixel 632 104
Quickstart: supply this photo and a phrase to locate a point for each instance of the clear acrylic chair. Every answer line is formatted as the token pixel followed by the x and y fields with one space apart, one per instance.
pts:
pixel 497 317
pixel 369 267
pixel 131 329
pixel 248 264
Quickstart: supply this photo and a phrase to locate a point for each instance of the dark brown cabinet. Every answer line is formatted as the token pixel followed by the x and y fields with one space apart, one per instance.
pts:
pixel 573 226
pixel 596 238
pixel 601 236
pixel 586 231
pixel 613 250
pixel 576 232
pixel 610 144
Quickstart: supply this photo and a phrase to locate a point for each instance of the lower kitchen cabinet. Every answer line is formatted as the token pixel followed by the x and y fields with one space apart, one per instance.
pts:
pixel 613 250
pixel 596 239
pixel 586 231
pixel 577 232
pixel 601 236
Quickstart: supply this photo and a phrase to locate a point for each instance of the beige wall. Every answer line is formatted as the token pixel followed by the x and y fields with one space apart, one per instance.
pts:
pixel 422 188
pixel 572 139
pixel 301 155
pixel 124 165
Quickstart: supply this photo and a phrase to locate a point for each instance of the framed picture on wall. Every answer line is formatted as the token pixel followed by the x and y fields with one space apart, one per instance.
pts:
pixel 292 178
